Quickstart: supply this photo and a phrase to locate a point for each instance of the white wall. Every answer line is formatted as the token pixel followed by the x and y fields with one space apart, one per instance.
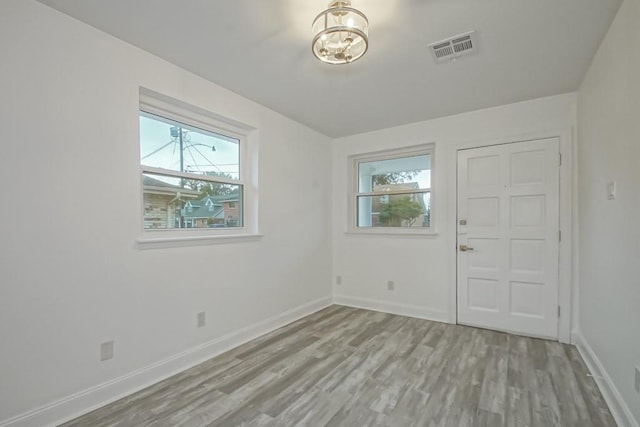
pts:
pixel 71 276
pixel 424 268
pixel 609 150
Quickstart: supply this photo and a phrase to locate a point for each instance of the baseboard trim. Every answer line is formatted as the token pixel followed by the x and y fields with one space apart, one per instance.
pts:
pixel 619 409
pixel 80 403
pixel 393 308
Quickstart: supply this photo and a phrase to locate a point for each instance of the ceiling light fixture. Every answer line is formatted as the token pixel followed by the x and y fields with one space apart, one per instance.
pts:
pixel 340 33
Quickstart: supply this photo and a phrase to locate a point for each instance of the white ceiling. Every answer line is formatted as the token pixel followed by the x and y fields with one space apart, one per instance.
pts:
pixel 261 49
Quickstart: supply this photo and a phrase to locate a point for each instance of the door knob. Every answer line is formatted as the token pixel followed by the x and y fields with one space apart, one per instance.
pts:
pixel 464 248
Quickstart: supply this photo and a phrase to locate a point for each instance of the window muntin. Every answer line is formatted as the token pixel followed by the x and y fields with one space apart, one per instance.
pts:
pixel 393 190
pixel 190 176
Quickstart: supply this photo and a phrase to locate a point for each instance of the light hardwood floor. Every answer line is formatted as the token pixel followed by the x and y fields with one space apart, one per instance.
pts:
pixel 349 367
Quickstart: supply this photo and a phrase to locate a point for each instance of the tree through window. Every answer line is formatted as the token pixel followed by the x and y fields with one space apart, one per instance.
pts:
pixel 393 189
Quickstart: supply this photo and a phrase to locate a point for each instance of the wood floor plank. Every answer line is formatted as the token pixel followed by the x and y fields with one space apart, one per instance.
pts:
pixel 314 408
pixel 349 416
pixel 545 403
pixel 344 366
pixel 494 392
pixel 518 408
pixel 598 411
pixel 200 412
pixel 301 384
pixel 234 382
pixel 252 408
pixel 148 402
pixel 409 408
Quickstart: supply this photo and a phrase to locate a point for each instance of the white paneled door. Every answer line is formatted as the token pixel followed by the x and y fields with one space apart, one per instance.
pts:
pixel 508 237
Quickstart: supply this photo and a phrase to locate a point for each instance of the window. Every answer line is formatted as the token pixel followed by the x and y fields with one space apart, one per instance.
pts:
pixel 392 191
pixel 194 168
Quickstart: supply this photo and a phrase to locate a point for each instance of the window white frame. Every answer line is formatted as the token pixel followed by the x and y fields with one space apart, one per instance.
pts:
pixel 174 110
pixel 354 162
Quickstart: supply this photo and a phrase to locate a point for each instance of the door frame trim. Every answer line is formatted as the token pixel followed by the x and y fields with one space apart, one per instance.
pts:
pixel 568 199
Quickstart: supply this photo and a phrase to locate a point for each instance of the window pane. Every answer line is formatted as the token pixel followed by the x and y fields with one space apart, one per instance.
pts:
pixel 175 146
pixel 405 173
pixel 171 202
pixel 395 210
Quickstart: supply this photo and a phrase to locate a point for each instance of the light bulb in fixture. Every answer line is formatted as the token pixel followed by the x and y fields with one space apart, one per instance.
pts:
pixel 340 33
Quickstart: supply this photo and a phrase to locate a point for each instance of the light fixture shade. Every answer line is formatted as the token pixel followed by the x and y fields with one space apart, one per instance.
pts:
pixel 340 34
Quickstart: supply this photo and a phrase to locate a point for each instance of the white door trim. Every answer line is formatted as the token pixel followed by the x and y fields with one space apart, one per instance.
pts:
pixel 567 264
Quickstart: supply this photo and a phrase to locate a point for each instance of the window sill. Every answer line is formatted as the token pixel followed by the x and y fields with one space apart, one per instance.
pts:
pixel 392 233
pixel 183 241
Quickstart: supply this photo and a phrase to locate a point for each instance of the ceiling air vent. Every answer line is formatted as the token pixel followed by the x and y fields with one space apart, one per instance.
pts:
pixel 454 47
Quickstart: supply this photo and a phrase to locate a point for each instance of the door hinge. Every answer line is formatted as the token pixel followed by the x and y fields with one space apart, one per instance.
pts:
pixel 560 162
pixel 559 235
pixel 558 311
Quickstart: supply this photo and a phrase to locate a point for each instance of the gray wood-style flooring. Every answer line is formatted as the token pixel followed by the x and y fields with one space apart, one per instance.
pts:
pixel 349 367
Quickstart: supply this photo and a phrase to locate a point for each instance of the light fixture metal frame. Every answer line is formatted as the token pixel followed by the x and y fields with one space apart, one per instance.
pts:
pixel 340 10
